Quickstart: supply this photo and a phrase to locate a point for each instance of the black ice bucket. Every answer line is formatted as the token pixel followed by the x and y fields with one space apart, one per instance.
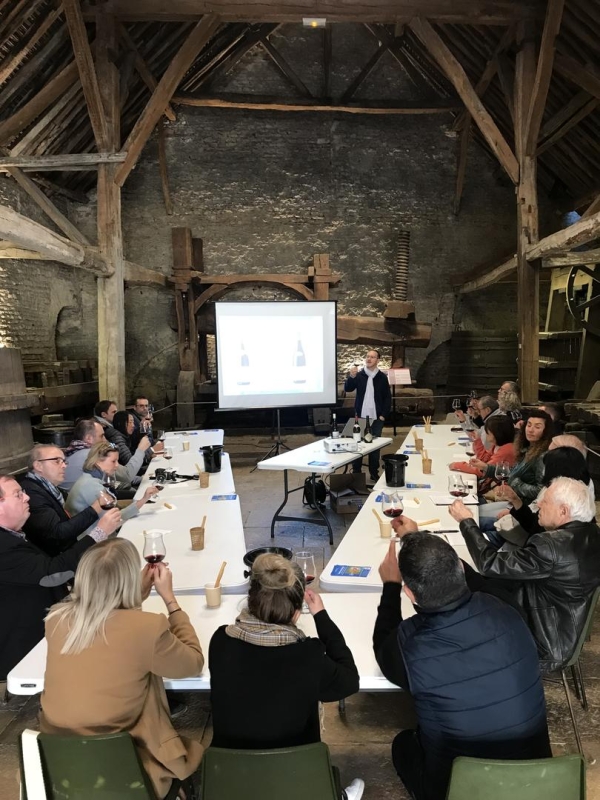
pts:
pixel 394 465
pixel 212 457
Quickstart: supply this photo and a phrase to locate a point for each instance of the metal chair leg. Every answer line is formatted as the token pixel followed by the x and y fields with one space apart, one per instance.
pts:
pixel 575 678
pixel 570 704
pixel 583 698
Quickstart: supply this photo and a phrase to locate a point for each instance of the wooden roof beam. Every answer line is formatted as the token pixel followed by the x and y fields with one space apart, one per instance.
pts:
pixel 543 74
pixel 468 95
pixel 488 276
pixel 142 68
pixel 260 103
pixel 581 232
pixel 70 161
pixel 184 58
pixel 584 76
pixel 285 69
pixel 475 12
pixel 87 72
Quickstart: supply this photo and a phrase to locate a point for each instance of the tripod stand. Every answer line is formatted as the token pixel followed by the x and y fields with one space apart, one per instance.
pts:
pixel 277 446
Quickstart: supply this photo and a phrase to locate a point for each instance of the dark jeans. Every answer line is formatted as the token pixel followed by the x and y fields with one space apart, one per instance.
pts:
pixel 408 758
pixel 376 429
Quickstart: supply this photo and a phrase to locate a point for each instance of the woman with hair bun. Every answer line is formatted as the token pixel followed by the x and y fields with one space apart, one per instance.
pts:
pixel 267 676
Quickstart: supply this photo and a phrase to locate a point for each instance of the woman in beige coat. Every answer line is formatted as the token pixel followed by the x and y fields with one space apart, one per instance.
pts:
pixel 107 658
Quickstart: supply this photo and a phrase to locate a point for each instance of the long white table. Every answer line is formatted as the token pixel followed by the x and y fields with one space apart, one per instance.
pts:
pixel 224 532
pixel 363 547
pixel 354 614
pixel 315 460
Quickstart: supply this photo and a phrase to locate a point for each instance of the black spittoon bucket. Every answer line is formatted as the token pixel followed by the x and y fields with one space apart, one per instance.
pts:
pixel 212 457
pixel 394 464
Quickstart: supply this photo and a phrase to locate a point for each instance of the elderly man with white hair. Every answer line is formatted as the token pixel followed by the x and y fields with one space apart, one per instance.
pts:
pixel 553 576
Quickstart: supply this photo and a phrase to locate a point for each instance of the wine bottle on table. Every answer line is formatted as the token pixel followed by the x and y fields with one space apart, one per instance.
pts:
pixel 335 434
pixel 356 429
pixel 368 435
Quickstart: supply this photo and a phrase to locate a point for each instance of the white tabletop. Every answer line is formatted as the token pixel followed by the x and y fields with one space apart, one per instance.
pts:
pixel 224 533
pixel 354 614
pixel 441 437
pixel 314 458
pixel 363 546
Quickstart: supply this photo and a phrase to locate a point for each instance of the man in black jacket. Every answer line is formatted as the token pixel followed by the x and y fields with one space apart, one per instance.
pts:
pixel 30 580
pixel 373 399
pixel 49 526
pixel 467 659
pixel 553 576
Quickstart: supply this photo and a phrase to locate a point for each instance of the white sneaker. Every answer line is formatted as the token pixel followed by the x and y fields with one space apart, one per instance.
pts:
pixel 355 790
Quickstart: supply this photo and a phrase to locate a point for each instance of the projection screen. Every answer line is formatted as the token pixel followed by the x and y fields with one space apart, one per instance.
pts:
pixel 274 355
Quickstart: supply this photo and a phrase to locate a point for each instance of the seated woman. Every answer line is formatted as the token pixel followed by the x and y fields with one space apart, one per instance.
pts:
pixel 267 676
pixel 103 459
pixel 107 658
pixel 531 442
pixel 500 435
pixel 561 462
pixel 124 426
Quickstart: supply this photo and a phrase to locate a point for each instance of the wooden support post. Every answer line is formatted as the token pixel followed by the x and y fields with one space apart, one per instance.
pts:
pixel 183 261
pixel 527 221
pixel 111 291
pixel 163 168
pixel 321 267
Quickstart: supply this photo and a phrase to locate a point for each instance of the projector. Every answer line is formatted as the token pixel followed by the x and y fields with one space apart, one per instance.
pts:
pixel 340 446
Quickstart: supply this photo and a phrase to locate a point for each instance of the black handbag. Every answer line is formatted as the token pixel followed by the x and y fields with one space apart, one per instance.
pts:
pixel 314 495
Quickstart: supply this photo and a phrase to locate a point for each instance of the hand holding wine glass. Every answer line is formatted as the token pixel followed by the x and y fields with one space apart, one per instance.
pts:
pixel 110 522
pixel 457 487
pixel 154 547
pixel 313 601
pixel 306 562
pixel 502 472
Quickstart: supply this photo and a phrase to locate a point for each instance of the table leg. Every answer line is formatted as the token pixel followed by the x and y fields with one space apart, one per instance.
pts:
pixel 278 517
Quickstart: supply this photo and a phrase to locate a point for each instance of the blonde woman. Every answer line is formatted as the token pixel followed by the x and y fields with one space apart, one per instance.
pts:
pixel 103 459
pixel 267 676
pixel 107 658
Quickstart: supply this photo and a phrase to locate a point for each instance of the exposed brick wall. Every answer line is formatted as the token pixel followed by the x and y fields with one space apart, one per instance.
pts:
pixel 34 293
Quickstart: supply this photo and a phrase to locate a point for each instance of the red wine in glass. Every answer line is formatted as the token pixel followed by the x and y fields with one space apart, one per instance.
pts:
pixel 309 579
pixel 108 504
pixel 154 558
pixel 392 512
pixel 458 493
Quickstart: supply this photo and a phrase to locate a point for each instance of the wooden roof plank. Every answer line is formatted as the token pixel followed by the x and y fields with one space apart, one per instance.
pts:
pixel 200 35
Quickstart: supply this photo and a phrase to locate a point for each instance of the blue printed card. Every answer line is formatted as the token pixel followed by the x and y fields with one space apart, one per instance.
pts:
pixel 224 497
pixel 319 463
pixel 345 571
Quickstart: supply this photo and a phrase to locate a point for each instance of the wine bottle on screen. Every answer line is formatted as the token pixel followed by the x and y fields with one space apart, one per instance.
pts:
pixel 356 429
pixel 299 363
pixel 368 435
pixel 244 372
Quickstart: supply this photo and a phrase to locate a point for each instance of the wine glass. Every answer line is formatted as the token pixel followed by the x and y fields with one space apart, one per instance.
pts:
pixel 154 547
pixel 306 562
pixel 107 500
pixel 502 472
pixel 168 454
pixel 391 504
pixel 109 482
pixel 456 404
pixel 457 487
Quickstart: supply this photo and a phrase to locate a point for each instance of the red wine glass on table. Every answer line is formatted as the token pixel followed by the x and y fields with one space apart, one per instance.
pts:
pixel 391 505
pixel 457 487
pixel 154 547
pixel 306 562
pixel 168 454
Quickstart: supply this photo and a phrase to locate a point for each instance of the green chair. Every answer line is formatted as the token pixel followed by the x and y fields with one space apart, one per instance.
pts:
pixel 293 773
pixel 561 778
pixel 575 666
pixel 82 767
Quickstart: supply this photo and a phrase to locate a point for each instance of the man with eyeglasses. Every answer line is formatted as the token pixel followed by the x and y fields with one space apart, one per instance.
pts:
pixel 49 525
pixel 30 580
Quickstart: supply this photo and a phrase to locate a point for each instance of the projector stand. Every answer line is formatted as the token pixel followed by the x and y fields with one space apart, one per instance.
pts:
pixel 277 447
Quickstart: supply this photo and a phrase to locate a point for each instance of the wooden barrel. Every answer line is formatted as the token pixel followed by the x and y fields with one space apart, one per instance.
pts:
pixel 481 361
pixel 15 421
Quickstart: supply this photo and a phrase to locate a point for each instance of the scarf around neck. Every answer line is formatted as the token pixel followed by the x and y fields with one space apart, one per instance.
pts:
pixel 49 487
pixel 76 445
pixel 368 406
pixel 249 629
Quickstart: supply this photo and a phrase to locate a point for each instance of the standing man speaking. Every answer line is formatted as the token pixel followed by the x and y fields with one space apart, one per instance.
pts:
pixel 373 399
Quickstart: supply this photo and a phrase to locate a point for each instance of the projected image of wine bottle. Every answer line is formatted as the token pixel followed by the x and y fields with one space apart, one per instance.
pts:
pixel 244 367
pixel 299 363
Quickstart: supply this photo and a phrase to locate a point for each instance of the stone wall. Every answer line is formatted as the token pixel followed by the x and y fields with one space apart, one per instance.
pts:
pixel 46 309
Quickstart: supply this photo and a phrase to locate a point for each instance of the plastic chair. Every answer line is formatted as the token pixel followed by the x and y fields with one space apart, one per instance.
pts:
pixel 561 778
pixel 576 672
pixel 293 773
pixel 77 767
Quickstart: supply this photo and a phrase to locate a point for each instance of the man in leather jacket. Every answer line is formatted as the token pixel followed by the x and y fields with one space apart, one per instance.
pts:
pixel 554 575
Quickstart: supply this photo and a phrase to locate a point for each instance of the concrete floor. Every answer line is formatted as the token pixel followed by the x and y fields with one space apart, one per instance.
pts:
pixel 360 739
